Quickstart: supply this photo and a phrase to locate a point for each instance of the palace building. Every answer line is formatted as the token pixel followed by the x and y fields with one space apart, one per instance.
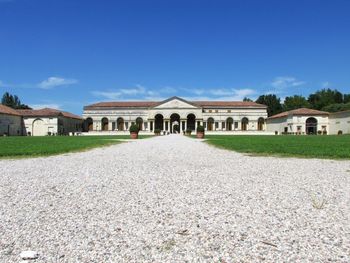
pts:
pixel 175 115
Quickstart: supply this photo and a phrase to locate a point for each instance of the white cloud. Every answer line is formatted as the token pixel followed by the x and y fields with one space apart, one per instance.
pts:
pixel 107 94
pixel 53 82
pixel 286 82
pixel 41 106
pixel 326 84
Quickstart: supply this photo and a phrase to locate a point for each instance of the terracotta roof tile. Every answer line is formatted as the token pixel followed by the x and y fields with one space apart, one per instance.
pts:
pixel 148 104
pixel 300 111
pixel 47 112
pixel 228 104
pixel 7 110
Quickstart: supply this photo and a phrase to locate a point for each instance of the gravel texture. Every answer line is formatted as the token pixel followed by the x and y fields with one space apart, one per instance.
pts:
pixel 174 199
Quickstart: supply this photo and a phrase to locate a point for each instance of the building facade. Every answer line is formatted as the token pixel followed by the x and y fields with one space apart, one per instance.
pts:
pixel 309 121
pixel 50 122
pixel 175 115
pixel 339 122
pixel 11 123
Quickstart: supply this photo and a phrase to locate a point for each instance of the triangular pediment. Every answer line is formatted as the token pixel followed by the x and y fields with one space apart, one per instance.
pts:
pixel 176 102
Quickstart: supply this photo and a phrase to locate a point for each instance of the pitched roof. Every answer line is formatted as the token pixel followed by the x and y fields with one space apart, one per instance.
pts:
pixel 47 112
pixel 148 104
pixel 300 111
pixel 7 110
pixel 244 104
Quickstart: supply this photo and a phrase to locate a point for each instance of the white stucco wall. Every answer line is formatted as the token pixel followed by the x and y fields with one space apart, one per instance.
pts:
pixel 10 125
pixel 54 125
pixel 179 107
pixel 292 122
pixel 339 121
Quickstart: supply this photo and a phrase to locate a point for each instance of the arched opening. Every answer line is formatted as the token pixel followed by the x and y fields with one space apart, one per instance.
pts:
pixel 88 124
pixel 191 121
pixel 261 123
pixel 139 122
pixel 120 124
pixel 229 123
pixel 39 128
pixel 311 126
pixel 158 122
pixel 104 124
pixel 175 123
pixel 244 124
pixel 210 124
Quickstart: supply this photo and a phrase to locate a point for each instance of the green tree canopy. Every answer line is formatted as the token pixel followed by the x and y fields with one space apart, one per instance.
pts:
pixel 13 101
pixel 346 98
pixel 337 107
pixel 247 99
pixel 272 102
pixel 295 102
pixel 325 97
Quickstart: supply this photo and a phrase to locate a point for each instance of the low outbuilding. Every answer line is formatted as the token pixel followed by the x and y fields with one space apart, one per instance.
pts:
pixel 10 121
pixel 299 121
pixel 48 121
pixel 339 122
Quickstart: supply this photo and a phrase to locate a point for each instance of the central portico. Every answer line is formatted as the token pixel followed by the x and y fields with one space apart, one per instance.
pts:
pixel 175 115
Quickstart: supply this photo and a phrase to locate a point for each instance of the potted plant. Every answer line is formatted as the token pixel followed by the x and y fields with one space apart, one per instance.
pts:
pixel 157 132
pixel 188 132
pixel 134 131
pixel 200 132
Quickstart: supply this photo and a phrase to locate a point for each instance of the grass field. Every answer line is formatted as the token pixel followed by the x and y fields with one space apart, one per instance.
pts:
pixel 331 147
pixel 15 147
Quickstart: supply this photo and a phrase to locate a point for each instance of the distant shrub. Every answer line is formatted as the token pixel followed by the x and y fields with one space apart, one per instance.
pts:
pixel 324 132
pixel 319 132
pixel 188 131
pixel 200 128
pixel 134 128
pixel 157 131
pixel 340 132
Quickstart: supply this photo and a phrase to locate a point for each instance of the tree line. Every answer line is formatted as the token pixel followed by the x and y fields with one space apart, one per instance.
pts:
pixel 13 102
pixel 326 100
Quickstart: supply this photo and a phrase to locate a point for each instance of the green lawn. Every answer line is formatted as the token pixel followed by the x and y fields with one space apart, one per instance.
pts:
pixel 18 146
pixel 331 147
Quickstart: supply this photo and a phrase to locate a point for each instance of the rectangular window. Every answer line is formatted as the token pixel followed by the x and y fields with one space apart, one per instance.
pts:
pixel 166 125
pixel 299 128
pixel 126 125
pixel 216 125
pixel 151 125
pixel 145 125
pixel 210 111
pixel 204 125
pixel 113 126
pixel 223 124
pixel 216 111
pixel 228 111
pixel 236 125
pixel 183 125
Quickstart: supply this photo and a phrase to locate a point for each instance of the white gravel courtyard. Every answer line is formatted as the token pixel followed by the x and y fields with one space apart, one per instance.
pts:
pixel 174 199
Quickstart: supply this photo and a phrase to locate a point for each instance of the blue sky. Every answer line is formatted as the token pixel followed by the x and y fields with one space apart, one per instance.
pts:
pixel 70 53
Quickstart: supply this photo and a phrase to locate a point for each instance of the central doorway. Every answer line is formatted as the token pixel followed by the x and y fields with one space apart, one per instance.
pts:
pixel 175 123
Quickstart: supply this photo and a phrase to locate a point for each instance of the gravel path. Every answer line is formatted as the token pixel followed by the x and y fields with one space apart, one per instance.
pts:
pixel 174 199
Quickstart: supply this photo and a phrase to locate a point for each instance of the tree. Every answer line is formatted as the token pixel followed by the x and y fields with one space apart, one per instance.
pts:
pixel 337 107
pixel 295 102
pixel 325 97
pixel 247 99
pixel 272 102
pixel 346 98
pixel 13 101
